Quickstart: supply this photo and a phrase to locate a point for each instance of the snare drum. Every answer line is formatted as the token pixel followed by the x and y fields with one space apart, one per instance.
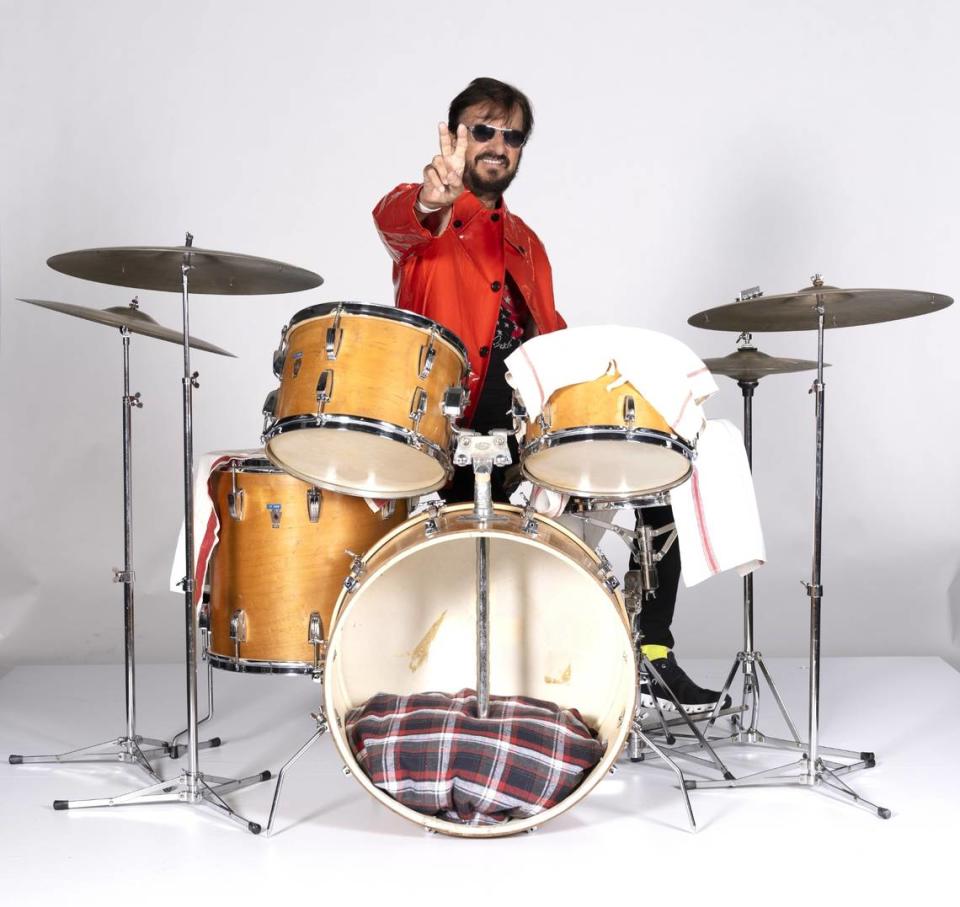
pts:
pixel 358 409
pixel 591 441
pixel 279 565
pixel 406 623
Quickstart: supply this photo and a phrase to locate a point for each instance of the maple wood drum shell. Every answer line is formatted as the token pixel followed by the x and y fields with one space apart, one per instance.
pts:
pixel 358 409
pixel 595 442
pixel 557 632
pixel 281 558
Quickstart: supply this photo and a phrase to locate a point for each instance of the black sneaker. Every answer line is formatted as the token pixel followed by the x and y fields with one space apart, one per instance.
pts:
pixel 694 699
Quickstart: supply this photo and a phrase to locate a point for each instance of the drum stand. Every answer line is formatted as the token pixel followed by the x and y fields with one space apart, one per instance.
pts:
pixel 811 770
pixel 191 787
pixel 131 748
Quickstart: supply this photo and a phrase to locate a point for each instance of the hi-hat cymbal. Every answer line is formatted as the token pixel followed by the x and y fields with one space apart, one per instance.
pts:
pixel 159 268
pixel 131 318
pixel 749 364
pixel 798 311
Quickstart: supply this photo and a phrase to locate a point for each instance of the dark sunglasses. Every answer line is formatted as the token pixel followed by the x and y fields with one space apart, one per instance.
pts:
pixel 512 138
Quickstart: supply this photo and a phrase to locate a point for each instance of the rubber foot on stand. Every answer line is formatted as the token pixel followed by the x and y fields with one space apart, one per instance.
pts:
pixel 728 776
pixel 670 739
pixel 16 760
pixel 215 742
pixel 637 758
pixel 61 804
pixel 689 784
pixel 884 813
pixel 870 763
pixel 869 757
pixel 266 776
pixel 254 828
pixel 176 751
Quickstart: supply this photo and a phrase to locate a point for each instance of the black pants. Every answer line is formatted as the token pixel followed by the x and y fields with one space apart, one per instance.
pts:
pixel 657 614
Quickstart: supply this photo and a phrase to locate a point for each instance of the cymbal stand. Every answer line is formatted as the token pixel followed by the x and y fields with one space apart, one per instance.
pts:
pixel 131 748
pixel 191 787
pixel 812 770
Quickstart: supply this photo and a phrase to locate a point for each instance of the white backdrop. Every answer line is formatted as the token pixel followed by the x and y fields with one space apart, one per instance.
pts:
pixel 682 152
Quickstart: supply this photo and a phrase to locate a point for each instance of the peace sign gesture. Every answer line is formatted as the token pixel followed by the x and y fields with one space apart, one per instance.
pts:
pixel 443 176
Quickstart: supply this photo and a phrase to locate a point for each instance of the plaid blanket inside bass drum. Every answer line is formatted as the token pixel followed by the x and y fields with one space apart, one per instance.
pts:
pixel 433 754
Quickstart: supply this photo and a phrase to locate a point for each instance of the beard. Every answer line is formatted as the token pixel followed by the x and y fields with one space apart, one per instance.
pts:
pixel 481 185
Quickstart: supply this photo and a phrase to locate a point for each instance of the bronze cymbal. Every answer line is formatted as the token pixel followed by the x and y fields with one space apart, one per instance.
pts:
pixel 798 311
pixel 159 268
pixel 131 318
pixel 749 364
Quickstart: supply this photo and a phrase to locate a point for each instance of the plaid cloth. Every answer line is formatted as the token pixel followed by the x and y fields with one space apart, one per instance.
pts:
pixel 432 753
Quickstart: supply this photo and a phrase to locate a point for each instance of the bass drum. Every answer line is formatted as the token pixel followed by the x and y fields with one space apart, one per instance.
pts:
pixel 279 564
pixel 406 623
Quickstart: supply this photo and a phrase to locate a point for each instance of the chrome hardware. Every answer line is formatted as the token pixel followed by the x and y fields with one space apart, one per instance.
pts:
pixel 431 527
pixel 418 406
pixel 314 500
pixel 745 341
pixel 334 336
pixel 193 379
pixel 276 511
pixel 428 354
pixel 238 630
pixel 123 576
pixel 749 293
pixel 518 414
pixel 133 400
pixel 529 525
pixel 611 582
pixel 346 771
pixel 269 409
pixel 315 638
pixel 297 364
pixel 235 495
pixel 454 403
pixel 280 353
pixel 388 509
pixel 629 410
pixel 543 420
pixel 324 388
pixel 356 571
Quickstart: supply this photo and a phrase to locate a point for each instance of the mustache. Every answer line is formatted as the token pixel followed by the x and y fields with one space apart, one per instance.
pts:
pixel 499 158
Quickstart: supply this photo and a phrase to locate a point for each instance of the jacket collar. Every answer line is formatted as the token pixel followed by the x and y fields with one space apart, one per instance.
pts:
pixel 468 206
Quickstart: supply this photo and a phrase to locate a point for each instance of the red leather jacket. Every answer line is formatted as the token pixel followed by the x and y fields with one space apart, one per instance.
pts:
pixel 457 278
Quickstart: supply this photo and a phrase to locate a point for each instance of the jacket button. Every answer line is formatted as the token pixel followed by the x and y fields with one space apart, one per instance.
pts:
pixel 457 224
pixel 484 351
pixel 494 217
pixel 495 286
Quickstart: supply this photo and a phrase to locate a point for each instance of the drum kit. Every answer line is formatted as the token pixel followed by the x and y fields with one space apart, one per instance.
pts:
pixel 327 564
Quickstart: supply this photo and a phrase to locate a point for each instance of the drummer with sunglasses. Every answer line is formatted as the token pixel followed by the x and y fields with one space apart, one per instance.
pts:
pixel 461 258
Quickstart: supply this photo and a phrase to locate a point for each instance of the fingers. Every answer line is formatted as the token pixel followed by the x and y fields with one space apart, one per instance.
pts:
pixel 446 142
pixel 459 152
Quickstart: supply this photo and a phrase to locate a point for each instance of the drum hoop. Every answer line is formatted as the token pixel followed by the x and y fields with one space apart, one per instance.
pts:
pixel 249 464
pixel 577 505
pixel 256 666
pixel 515 826
pixel 378 427
pixel 609 433
pixel 391 313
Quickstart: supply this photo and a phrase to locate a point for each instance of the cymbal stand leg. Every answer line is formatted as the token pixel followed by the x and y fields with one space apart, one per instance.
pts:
pixel 126 749
pixel 213 741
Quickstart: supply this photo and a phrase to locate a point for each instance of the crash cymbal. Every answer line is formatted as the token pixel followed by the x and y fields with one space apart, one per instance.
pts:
pixel 749 364
pixel 797 311
pixel 131 318
pixel 159 268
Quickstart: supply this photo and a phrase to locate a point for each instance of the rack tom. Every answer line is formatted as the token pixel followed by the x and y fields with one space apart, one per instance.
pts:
pixel 285 549
pixel 603 439
pixel 358 408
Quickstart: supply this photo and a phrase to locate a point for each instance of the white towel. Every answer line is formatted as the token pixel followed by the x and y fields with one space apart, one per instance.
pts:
pixel 667 372
pixel 718 524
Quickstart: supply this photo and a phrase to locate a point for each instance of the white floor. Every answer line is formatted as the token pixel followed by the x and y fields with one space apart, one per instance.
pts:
pixel 628 839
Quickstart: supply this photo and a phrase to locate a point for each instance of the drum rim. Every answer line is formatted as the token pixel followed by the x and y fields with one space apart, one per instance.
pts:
pixel 378 427
pixel 255 464
pixel 392 313
pixel 258 665
pixel 585 504
pixel 606 433
pixel 615 744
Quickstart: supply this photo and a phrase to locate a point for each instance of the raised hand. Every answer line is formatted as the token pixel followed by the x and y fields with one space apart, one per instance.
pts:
pixel 443 176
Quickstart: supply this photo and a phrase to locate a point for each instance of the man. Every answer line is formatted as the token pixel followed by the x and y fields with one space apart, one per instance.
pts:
pixel 461 258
